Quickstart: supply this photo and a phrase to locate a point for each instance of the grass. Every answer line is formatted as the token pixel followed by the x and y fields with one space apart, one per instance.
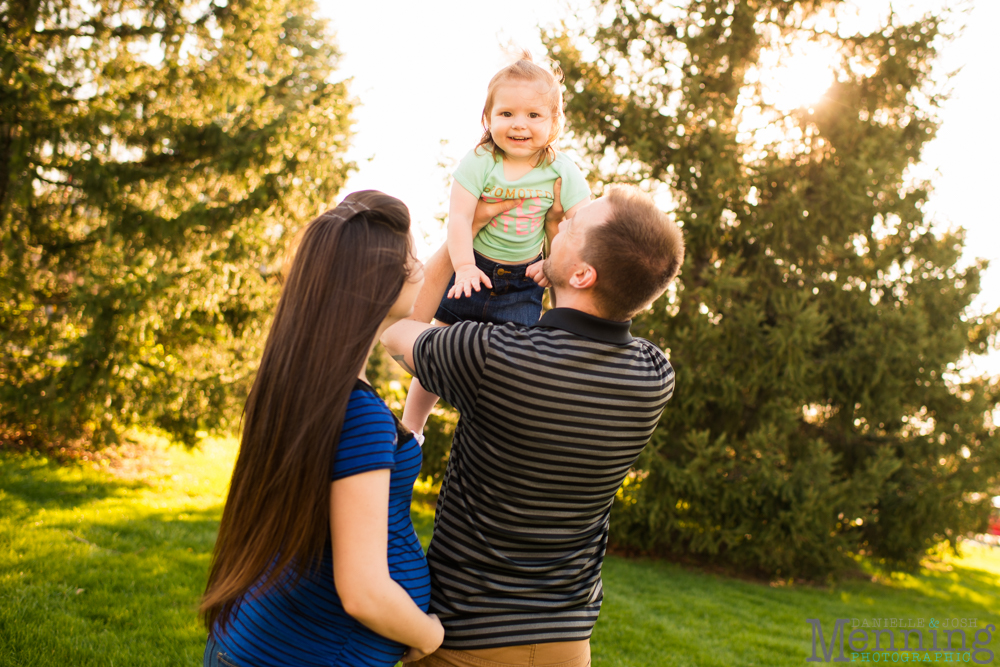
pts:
pixel 657 613
pixel 104 568
pixel 100 570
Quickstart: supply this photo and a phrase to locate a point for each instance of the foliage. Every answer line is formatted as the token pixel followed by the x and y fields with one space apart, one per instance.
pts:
pixel 438 432
pixel 154 158
pixel 820 319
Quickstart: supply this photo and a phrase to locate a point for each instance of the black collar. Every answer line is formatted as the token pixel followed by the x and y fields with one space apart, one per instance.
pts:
pixel 589 326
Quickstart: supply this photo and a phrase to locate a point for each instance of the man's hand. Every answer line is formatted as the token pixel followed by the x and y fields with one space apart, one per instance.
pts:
pixel 534 271
pixel 467 278
pixel 486 211
pixel 555 214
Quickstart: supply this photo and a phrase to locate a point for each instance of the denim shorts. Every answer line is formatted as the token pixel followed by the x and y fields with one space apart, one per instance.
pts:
pixel 514 298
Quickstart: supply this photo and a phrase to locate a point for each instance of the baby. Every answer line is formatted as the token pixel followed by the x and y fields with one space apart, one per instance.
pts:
pixel 498 273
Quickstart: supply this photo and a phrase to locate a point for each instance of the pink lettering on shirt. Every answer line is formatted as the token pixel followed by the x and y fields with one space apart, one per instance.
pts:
pixel 524 219
pixel 507 218
pixel 533 207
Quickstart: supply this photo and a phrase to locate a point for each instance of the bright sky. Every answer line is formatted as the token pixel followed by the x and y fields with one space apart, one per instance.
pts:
pixel 420 71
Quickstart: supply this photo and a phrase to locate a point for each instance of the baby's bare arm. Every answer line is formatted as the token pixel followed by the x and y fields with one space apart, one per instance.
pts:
pixel 461 214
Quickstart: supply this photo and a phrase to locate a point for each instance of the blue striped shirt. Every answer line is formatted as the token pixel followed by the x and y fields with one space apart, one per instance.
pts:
pixel 303 622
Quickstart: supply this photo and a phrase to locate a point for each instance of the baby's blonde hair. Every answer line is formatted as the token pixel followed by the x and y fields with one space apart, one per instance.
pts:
pixel 525 69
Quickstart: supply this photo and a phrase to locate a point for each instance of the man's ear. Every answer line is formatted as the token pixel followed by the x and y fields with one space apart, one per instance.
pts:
pixel 584 277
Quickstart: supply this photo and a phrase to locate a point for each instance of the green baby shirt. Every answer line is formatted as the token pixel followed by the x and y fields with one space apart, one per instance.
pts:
pixel 516 236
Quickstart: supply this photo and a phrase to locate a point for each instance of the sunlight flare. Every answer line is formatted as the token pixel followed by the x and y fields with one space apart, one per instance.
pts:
pixel 797 76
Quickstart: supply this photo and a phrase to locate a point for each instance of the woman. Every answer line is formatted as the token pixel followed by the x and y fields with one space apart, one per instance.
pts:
pixel 304 571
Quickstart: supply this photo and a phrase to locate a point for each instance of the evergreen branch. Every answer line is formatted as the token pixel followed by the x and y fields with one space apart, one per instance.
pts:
pixel 100 30
pixel 67 184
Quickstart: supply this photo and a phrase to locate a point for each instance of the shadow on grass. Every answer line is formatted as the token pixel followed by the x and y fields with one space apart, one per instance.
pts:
pixel 34 479
pixel 111 592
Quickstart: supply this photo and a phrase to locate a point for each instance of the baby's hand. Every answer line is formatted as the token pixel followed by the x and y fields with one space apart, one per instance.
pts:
pixel 467 278
pixel 534 271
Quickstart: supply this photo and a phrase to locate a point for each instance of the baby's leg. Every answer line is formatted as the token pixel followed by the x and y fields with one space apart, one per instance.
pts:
pixel 419 403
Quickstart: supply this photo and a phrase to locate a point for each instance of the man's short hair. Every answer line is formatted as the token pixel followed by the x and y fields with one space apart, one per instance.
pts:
pixel 636 253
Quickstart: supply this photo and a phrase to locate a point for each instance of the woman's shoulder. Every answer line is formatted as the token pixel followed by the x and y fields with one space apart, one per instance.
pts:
pixel 364 388
pixel 371 407
pixel 368 438
pixel 365 406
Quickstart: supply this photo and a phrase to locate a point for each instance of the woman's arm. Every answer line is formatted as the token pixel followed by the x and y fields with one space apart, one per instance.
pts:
pixel 359 520
pixel 460 214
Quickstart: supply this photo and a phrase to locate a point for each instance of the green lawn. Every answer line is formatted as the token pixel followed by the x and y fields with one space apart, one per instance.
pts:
pixel 103 568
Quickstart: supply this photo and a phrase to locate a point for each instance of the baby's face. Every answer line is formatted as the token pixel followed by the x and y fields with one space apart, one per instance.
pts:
pixel 521 120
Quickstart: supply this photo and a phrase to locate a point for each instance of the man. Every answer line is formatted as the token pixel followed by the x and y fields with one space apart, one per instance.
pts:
pixel 552 417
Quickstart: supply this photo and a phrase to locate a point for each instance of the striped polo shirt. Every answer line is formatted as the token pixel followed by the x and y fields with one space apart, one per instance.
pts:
pixel 552 416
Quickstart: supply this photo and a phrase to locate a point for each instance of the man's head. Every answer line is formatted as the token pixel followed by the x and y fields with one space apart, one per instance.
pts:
pixel 619 251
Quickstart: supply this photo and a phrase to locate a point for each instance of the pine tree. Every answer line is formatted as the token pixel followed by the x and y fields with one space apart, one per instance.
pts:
pixel 154 159
pixel 820 317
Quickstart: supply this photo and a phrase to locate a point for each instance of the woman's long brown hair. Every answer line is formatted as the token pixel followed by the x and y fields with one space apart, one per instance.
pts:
pixel 346 273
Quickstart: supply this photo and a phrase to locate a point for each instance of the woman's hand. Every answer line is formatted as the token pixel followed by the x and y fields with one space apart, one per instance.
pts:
pixel 415 653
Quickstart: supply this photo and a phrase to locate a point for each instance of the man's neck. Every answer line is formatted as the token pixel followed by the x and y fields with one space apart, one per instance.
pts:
pixel 577 300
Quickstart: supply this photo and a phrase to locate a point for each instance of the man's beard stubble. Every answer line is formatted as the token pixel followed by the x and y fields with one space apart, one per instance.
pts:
pixel 550 274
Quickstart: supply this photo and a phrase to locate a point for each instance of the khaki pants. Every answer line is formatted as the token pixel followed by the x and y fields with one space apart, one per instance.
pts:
pixel 555 654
